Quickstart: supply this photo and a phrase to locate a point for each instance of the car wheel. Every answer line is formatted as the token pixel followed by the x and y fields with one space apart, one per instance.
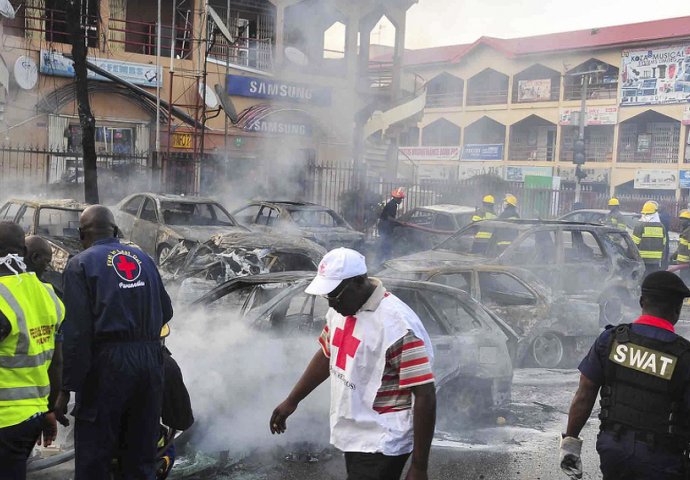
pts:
pixel 163 251
pixel 548 350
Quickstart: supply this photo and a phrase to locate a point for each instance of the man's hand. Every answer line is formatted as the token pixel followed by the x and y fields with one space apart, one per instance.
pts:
pixel 49 431
pixel 416 473
pixel 280 415
pixel 60 408
pixel 571 464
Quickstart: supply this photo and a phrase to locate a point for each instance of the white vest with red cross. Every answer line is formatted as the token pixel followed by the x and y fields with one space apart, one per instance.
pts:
pixel 358 346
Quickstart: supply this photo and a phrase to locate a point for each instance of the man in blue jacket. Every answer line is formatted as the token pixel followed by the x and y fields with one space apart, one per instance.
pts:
pixel 116 306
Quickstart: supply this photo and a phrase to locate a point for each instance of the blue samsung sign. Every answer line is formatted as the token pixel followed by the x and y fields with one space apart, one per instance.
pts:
pixel 272 89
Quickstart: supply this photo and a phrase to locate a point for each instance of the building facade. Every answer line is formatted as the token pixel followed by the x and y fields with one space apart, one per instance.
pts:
pixel 511 108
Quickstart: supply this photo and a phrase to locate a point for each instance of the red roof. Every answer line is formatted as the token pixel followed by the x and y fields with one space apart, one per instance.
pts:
pixel 591 39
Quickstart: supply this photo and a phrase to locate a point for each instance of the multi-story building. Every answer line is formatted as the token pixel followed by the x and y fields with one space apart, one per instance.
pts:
pixel 511 107
pixel 273 63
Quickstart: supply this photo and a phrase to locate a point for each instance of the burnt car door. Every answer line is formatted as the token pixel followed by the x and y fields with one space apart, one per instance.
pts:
pixel 585 266
pixel 9 211
pixel 127 215
pixel 146 226
pixel 536 251
pixel 247 216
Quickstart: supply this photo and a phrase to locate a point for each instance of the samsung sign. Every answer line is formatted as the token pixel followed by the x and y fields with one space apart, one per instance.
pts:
pixel 254 87
pixel 280 128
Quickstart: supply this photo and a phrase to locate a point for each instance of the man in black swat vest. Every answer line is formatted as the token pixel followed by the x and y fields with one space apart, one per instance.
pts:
pixel 643 372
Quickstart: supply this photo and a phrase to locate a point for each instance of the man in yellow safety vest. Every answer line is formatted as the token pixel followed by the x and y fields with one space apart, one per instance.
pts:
pixel 30 316
pixel 649 235
pixel 486 211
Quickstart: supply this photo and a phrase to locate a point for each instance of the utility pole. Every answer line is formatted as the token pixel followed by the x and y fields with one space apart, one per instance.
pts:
pixel 75 10
pixel 579 157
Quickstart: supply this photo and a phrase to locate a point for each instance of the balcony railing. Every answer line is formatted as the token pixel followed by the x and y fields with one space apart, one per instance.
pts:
pixel 487 97
pixel 660 155
pixel 445 99
pixel 592 153
pixel 141 37
pixel 519 153
pixel 51 25
pixel 244 52
pixel 607 91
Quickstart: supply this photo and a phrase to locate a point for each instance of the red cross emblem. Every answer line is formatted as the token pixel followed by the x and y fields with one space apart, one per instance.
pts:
pixel 126 267
pixel 322 268
pixel 346 343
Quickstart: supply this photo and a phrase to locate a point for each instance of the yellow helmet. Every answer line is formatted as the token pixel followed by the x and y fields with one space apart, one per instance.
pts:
pixel 511 200
pixel 684 214
pixel 650 207
pixel 165 331
pixel 489 199
pixel 613 202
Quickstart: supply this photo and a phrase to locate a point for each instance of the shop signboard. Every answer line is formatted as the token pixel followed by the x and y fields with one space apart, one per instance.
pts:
pixel 595 116
pixel 56 64
pixel 656 179
pixel 518 174
pixel 534 90
pixel 424 154
pixel 474 169
pixel 595 176
pixel 684 179
pixel 273 89
pixel 181 140
pixel 686 116
pixel 278 127
pixel 479 152
pixel 656 75
pixel 437 172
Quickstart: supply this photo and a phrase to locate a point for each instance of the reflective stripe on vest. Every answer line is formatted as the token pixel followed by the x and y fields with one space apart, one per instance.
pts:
pixel 20 393
pixel 653 232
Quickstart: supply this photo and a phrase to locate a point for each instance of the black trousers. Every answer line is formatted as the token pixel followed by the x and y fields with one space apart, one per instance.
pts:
pixel 16 444
pixel 374 466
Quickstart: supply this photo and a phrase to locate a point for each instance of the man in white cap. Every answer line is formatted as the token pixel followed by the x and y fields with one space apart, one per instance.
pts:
pixel 379 356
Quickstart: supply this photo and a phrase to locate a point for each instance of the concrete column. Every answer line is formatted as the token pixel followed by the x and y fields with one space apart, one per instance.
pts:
pixel 351 53
pixel 506 145
pixel 557 149
pixel 614 157
pixel 279 50
pixel 399 52
pixel 681 145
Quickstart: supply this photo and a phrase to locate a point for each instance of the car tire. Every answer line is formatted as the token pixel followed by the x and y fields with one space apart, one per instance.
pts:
pixel 163 250
pixel 549 350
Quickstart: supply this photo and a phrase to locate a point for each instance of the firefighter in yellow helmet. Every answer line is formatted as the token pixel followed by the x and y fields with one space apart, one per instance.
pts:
pixel 614 217
pixel 509 207
pixel 649 235
pixel 683 253
pixel 486 211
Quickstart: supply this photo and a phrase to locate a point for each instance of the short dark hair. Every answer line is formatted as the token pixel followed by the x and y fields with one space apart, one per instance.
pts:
pixel 662 306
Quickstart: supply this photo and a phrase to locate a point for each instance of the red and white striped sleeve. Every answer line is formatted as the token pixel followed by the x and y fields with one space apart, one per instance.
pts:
pixel 414 367
pixel 325 341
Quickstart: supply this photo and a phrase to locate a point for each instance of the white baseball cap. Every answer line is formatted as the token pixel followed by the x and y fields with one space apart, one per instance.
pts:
pixel 337 265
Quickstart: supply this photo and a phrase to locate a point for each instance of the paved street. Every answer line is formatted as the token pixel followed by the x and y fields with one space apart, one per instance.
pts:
pixel 526 447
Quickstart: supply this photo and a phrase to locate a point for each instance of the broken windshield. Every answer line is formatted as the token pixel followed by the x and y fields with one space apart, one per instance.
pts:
pixel 58 222
pixel 195 214
pixel 315 218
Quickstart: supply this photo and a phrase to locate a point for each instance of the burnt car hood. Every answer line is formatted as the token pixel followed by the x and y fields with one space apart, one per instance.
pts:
pixel 433 259
pixel 203 233
pixel 72 245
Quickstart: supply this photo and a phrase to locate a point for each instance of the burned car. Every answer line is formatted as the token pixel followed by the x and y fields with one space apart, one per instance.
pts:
pixel 591 262
pixel 423 228
pixel 57 221
pixel 158 222
pixel 554 330
pixel 314 222
pixel 472 364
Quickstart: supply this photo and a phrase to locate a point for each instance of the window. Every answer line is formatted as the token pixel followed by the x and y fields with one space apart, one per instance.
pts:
pixel 444 222
pixel 418 301
pixel 462 281
pixel 248 214
pixel 58 222
pixel 10 211
pixel 622 244
pixel 502 289
pixel 267 216
pixel 115 140
pixel 444 90
pixel 148 213
pixel 535 248
pixel 462 318
pixel 195 214
pixel 132 207
pixel 441 133
pixel 580 245
pixel 462 219
pixel 26 221
pixel 420 217
pixel 314 218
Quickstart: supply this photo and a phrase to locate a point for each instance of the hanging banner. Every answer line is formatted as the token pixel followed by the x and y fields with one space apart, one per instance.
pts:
pixel 686 116
pixel 534 90
pixel 595 176
pixel 470 170
pixel 518 174
pixel 273 89
pixel 656 75
pixel 482 152
pixel 54 63
pixel 656 179
pixel 595 116
pixel 423 154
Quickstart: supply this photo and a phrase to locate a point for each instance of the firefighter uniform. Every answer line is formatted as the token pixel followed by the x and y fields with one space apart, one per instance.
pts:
pixel 34 314
pixel 116 306
pixel 509 208
pixel 486 212
pixel 683 253
pixel 650 238
pixel 644 373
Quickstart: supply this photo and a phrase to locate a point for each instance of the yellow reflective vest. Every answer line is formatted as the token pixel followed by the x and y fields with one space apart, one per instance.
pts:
pixel 650 238
pixel 683 255
pixel 482 214
pixel 35 314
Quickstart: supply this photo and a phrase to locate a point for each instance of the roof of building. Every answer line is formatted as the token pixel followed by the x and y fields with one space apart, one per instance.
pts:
pixel 590 39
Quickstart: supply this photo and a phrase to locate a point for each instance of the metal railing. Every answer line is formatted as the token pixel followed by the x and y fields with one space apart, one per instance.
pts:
pixel 445 99
pixel 248 52
pixel 476 96
pixel 141 37
pixel 519 153
pixel 608 91
pixel 592 153
pixel 52 25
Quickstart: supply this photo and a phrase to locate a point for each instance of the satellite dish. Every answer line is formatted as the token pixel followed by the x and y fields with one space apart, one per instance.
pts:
pixel 296 56
pixel 226 103
pixel 6 9
pixel 211 98
pixel 25 72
